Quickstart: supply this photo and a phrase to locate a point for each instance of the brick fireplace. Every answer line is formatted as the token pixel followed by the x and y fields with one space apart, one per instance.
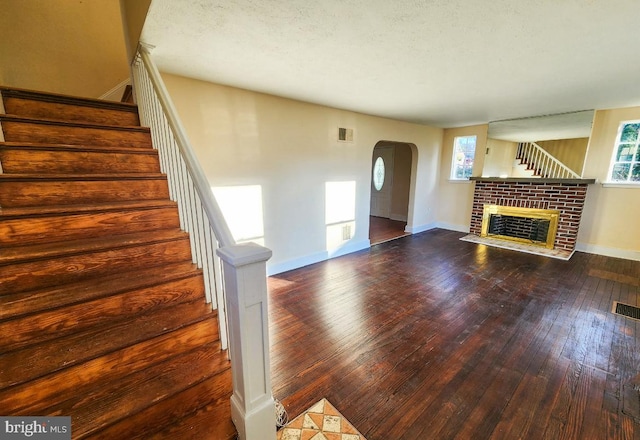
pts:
pixel 566 196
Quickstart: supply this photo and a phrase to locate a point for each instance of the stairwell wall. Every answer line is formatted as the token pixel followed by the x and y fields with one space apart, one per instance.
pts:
pixel 72 48
pixel 289 150
pixel 571 152
pixel 500 158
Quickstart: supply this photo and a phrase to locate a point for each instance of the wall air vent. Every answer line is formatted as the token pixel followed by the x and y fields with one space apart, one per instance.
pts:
pixel 345 134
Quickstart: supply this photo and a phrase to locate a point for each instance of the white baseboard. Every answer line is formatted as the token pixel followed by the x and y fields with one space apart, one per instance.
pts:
pixel 349 248
pixel 453 227
pixel 607 251
pixel 419 228
pixel 274 269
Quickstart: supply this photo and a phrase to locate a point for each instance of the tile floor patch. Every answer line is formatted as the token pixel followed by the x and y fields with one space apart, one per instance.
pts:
pixel 309 422
pixel 320 422
pixel 331 424
pixel 290 434
pixel 317 408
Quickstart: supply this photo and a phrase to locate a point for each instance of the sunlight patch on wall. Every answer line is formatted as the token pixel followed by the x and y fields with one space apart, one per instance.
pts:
pixel 340 212
pixel 242 210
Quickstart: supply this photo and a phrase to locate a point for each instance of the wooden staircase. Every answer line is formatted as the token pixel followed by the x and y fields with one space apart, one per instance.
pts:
pixel 534 161
pixel 102 313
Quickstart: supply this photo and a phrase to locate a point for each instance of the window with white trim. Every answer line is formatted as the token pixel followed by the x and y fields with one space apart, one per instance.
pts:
pixel 464 150
pixel 625 162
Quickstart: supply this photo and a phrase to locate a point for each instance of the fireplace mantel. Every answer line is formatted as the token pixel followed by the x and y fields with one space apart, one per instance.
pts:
pixel 531 180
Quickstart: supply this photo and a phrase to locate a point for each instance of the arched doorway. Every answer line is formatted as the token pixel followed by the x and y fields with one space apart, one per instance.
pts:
pixel 390 189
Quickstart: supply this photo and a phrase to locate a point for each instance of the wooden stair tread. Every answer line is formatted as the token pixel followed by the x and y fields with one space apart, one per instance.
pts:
pixel 58 122
pixel 34 361
pixel 33 252
pixel 59 322
pixel 22 231
pixel 37 274
pixel 16 161
pixel 84 208
pixel 67 99
pixel 24 190
pixel 52 131
pixel 44 273
pixel 19 304
pixel 80 177
pixel 79 148
pixel 77 381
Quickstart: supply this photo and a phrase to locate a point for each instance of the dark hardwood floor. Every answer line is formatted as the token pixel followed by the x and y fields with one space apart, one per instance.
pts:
pixel 383 229
pixel 430 337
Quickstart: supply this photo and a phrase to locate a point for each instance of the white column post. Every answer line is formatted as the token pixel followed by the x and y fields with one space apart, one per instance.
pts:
pixel 245 279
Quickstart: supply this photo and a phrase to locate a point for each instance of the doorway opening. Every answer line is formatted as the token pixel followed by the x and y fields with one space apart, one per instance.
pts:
pixel 390 188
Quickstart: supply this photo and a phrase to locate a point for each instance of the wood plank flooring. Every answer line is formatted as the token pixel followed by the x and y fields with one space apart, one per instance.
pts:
pixel 430 337
pixel 384 229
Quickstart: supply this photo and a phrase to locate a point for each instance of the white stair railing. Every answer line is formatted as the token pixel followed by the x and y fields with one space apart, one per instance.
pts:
pixel 543 163
pixel 235 275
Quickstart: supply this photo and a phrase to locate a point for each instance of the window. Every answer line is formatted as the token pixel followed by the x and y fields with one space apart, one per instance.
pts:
pixel 464 149
pixel 625 163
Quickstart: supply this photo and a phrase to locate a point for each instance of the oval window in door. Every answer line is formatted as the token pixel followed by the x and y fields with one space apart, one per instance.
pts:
pixel 378 174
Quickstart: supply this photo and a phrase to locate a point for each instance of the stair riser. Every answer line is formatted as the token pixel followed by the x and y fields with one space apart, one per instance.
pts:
pixel 26 303
pixel 27 131
pixel 171 411
pixel 33 275
pixel 30 330
pixel 131 395
pixel 21 232
pixel 28 161
pixel 61 111
pixel 76 382
pixel 15 194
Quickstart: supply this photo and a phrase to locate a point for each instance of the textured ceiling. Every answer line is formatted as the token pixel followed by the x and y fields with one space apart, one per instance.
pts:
pixel 439 62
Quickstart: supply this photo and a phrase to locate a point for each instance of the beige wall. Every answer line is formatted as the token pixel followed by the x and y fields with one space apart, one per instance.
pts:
pixel 455 198
pixel 570 152
pixel 134 13
pixel 290 150
pixel 62 46
pixel 610 220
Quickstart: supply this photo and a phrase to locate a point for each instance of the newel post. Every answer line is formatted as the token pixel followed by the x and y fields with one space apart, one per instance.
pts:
pixel 245 279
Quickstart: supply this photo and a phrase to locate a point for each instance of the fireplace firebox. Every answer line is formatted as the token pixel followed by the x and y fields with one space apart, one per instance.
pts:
pixel 525 225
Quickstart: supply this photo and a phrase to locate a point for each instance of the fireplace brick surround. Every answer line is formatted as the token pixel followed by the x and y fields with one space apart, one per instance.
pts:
pixel 564 195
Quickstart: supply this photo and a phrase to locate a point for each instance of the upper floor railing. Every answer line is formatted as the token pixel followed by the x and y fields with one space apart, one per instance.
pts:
pixel 542 163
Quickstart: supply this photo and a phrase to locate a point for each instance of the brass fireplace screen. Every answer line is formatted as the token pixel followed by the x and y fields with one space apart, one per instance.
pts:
pixel 525 225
